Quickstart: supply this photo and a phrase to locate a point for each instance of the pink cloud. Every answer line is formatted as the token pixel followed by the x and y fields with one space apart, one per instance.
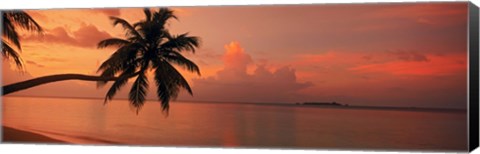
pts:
pixel 436 65
pixel 85 36
pixel 235 61
pixel 410 56
pixel 393 77
pixel 233 83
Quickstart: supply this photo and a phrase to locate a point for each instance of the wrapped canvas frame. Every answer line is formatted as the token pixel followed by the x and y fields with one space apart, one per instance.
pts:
pixel 473 87
pixel 474 76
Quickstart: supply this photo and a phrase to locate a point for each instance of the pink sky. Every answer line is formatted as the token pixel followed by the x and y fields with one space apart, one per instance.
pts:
pixel 359 54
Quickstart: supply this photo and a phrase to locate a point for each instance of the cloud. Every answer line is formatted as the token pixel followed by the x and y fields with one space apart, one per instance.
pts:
pixel 391 77
pixel 413 64
pixel 233 83
pixel 235 57
pixel 410 56
pixel 108 12
pixel 34 63
pixel 235 62
pixel 86 36
pixel 52 59
pixel 89 35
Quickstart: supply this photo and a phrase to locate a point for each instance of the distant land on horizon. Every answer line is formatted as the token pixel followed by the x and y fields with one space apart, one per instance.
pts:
pixel 323 104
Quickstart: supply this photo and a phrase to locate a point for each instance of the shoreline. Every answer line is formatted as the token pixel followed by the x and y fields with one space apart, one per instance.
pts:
pixel 15 135
pixel 12 135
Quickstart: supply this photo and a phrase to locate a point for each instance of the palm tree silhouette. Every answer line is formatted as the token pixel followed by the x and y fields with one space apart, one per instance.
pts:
pixel 148 46
pixel 11 21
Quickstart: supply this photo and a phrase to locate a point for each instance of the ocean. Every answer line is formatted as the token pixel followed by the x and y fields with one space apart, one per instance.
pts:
pixel 191 124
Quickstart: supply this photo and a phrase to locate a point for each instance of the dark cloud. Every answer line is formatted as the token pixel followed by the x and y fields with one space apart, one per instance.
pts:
pixel 34 63
pixel 89 35
pixel 85 36
pixel 398 55
pixel 410 56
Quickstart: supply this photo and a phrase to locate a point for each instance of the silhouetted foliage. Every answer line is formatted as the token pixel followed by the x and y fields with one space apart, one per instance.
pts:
pixel 11 22
pixel 148 45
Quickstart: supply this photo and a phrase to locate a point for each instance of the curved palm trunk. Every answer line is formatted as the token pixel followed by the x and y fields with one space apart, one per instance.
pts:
pixel 53 78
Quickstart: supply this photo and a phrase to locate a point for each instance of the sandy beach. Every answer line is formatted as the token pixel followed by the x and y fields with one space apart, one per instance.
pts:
pixel 12 135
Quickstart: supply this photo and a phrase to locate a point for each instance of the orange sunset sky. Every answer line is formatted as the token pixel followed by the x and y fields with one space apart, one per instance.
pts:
pixel 359 54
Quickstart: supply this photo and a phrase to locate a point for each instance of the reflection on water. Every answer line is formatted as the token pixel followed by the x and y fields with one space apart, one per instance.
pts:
pixel 235 125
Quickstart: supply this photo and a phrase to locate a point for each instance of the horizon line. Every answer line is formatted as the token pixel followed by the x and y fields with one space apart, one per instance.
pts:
pixel 255 103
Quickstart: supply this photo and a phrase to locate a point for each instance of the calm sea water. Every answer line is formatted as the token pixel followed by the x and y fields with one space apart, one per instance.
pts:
pixel 88 121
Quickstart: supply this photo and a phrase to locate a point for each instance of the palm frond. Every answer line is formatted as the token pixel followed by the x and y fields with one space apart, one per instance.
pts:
pixel 10 33
pixel 182 42
pixel 108 72
pixel 117 84
pixel 118 62
pixel 168 81
pixel 131 32
pixel 151 30
pixel 121 60
pixel 154 25
pixel 125 55
pixel 163 15
pixel 112 42
pixel 25 21
pixel 120 82
pixel 148 14
pixel 165 90
pixel 11 20
pixel 139 91
pixel 179 59
pixel 10 53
